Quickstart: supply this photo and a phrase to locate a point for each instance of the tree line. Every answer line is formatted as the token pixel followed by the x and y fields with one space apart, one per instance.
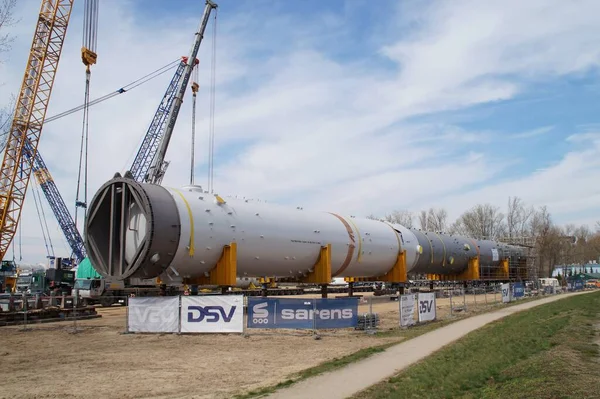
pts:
pixel 552 245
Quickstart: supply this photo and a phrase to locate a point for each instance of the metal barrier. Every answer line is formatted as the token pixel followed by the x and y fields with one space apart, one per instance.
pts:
pixel 27 309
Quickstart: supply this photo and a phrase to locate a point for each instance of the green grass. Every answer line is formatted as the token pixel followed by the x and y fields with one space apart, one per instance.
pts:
pixel 547 352
pixel 361 354
pixel 337 363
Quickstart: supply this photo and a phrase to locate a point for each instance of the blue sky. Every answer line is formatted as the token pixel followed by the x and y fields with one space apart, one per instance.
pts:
pixel 358 107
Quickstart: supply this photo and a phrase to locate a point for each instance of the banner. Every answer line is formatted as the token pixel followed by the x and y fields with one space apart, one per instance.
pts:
pixel 518 290
pixel 506 294
pixel 153 314
pixel 302 313
pixel 212 314
pixel 426 306
pixel 407 310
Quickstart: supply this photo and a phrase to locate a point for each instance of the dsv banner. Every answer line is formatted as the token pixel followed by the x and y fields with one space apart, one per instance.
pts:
pixel 426 306
pixel 216 314
pixel 302 313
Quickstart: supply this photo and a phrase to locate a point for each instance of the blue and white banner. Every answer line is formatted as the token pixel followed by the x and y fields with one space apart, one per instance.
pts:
pixel 518 290
pixel 302 313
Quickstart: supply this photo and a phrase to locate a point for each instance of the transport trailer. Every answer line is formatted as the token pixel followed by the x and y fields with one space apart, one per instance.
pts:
pixel 108 293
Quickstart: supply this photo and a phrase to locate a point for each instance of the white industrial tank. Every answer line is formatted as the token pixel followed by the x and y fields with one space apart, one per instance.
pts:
pixel 145 231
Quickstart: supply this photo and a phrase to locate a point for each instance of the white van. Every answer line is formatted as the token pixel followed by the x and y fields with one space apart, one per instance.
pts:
pixel 549 282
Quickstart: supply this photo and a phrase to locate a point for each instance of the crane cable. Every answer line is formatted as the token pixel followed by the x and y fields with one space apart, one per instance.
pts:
pixel 83 150
pixel 14 251
pixel 211 129
pixel 42 217
pixel 88 57
pixel 195 87
pixel 121 90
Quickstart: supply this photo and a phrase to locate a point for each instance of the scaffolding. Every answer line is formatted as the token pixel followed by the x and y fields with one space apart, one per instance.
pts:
pixel 522 261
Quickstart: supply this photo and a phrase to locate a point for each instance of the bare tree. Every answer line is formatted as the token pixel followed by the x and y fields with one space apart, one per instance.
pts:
pixel 481 221
pixel 541 222
pixel 593 245
pixel 5 119
pixel 438 219
pixel 403 217
pixel 517 217
pixel 7 19
pixel 423 220
pixel 583 250
pixel 458 228
pixel 7 8
pixel 434 219
pixel 545 240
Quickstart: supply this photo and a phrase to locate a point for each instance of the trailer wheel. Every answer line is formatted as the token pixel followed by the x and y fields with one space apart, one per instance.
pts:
pixel 106 302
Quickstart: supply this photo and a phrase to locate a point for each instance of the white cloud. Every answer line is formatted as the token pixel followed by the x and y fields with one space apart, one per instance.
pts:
pixel 295 124
pixel 533 133
pixel 566 186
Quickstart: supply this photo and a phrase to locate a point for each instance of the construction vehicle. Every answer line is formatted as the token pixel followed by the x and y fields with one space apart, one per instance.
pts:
pixel 58 279
pixel 94 289
pixel 24 282
pixel 8 276
pixel 107 293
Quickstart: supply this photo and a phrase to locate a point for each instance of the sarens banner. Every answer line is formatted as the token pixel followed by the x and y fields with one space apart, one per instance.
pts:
pixel 212 314
pixel 302 313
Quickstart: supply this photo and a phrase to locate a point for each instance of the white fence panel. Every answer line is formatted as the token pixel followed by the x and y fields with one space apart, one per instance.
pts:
pixel 506 293
pixel 153 314
pixel 407 310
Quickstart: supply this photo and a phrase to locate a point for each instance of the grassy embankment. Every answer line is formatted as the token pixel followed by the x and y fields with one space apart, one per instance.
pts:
pixel 401 334
pixel 551 351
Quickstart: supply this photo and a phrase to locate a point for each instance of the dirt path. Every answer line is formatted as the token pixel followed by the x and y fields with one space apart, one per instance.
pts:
pixel 361 375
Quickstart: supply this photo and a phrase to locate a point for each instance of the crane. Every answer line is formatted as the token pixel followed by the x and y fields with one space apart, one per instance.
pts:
pixel 30 111
pixel 149 147
pixel 149 165
pixel 59 208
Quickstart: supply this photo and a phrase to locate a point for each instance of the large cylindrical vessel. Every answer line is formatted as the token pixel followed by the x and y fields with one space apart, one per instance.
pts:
pixel 144 230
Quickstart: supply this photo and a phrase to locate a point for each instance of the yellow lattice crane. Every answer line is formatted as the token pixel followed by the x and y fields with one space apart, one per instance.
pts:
pixel 30 111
